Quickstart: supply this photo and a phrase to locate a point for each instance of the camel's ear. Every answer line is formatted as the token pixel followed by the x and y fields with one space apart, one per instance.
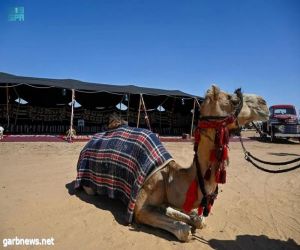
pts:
pixel 215 91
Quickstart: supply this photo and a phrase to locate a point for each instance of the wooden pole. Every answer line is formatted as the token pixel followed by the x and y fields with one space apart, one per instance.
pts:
pixel 7 106
pixel 199 106
pixel 160 131
pixel 70 134
pixel 128 97
pixel 120 107
pixel 16 118
pixel 172 116
pixel 192 125
pixel 72 108
pixel 146 115
pixel 139 113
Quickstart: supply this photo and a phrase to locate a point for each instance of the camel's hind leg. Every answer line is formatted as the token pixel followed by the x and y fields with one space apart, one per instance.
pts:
pixel 89 190
pixel 151 216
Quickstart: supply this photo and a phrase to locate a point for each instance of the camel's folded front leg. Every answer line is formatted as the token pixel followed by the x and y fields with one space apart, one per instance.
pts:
pixel 193 219
pixel 153 217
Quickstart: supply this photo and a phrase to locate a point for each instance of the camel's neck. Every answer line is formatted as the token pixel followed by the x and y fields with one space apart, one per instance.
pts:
pixel 181 181
pixel 205 147
pixel 178 182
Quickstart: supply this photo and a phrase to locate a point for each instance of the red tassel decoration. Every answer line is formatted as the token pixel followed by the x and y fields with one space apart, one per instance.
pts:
pixel 219 153
pixel 225 153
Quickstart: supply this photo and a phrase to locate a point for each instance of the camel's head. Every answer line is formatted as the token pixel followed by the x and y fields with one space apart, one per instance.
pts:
pixel 114 121
pixel 218 103
pixel 254 109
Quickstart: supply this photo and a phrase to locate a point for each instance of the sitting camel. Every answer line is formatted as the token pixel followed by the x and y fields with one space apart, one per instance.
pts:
pixel 172 197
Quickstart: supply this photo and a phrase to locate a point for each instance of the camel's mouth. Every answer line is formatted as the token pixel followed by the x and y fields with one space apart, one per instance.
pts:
pixel 261 112
pixel 263 115
pixel 258 107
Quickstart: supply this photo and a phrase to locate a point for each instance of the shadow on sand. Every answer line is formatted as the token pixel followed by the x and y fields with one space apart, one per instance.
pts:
pixel 284 154
pixel 277 141
pixel 242 242
pixel 116 207
pixel 250 242
pixel 118 210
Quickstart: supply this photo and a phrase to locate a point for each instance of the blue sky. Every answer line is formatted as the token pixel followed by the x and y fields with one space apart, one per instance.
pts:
pixel 185 45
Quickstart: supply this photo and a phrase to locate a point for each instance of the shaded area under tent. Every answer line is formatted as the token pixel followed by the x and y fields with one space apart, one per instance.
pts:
pixel 30 105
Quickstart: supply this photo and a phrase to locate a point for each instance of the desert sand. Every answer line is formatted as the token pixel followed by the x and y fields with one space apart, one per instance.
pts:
pixel 254 210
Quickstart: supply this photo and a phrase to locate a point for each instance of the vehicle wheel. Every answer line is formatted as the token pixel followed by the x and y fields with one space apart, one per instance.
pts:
pixel 264 137
pixel 273 138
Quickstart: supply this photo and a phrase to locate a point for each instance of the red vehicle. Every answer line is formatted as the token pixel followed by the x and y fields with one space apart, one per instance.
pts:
pixel 283 122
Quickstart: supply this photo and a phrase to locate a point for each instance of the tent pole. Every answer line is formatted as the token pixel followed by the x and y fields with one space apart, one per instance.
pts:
pixel 199 106
pixel 128 97
pixel 192 125
pixel 146 115
pixel 139 113
pixel 172 116
pixel 120 107
pixel 16 118
pixel 7 106
pixel 70 133
pixel 160 131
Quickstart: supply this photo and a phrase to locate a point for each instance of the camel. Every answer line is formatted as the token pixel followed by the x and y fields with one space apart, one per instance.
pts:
pixel 176 198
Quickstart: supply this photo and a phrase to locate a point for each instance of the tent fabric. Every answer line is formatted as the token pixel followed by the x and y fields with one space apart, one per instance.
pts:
pixel 11 80
pixel 49 105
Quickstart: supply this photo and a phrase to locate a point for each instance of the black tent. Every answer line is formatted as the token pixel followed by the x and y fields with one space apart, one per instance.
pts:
pixel 43 105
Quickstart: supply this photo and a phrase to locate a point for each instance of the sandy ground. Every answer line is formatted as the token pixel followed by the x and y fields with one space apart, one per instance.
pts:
pixel 254 210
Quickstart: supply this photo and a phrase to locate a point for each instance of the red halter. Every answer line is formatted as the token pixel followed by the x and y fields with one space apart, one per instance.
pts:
pixel 218 156
pixel 220 152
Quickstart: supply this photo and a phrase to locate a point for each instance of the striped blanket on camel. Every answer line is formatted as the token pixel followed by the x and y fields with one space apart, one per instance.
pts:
pixel 117 162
